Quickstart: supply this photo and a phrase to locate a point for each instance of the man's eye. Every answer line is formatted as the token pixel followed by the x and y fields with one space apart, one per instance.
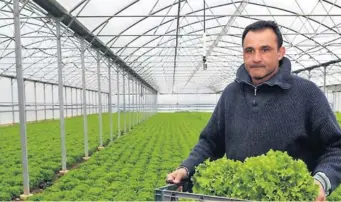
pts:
pixel 265 49
pixel 248 50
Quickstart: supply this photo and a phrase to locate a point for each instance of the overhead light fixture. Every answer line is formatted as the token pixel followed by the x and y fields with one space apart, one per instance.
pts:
pixel 204 59
pixel 204 54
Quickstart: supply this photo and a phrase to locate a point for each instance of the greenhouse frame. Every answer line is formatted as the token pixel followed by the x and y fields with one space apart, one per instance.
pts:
pixel 126 61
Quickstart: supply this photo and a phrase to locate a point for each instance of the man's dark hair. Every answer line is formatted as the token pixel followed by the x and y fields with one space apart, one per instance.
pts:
pixel 261 24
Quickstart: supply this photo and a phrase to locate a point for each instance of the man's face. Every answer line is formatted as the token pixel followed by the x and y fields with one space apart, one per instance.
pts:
pixel 261 54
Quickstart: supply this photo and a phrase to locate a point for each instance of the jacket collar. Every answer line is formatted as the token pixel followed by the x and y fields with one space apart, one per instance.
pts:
pixel 281 78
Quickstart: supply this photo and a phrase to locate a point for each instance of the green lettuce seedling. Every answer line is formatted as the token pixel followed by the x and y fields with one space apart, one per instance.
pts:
pixel 275 176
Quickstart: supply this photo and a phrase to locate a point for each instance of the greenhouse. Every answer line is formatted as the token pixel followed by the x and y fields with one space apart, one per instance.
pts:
pixel 102 99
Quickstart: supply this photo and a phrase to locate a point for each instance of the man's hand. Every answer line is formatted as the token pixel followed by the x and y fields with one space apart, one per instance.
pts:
pixel 176 176
pixel 322 195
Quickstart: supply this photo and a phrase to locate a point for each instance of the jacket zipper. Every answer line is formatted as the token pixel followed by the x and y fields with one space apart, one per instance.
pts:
pixel 255 91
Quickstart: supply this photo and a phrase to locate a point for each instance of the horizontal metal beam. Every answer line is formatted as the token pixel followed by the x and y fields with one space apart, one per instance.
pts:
pixel 224 47
pixel 168 55
pixel 174 16
pixel 317 66
pixel 49 83
pixel 183 61
pixel 165 35
pixel 56 10
pixel 208 16
pixel 212 34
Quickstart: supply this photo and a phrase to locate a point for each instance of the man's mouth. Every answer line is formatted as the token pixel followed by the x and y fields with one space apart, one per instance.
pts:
pixel 257 66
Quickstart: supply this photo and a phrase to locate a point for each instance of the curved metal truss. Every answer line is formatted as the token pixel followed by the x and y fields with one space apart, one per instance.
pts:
pixel 162 41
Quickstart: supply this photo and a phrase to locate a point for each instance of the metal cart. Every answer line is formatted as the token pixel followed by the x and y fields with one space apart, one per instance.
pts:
pixel 170 193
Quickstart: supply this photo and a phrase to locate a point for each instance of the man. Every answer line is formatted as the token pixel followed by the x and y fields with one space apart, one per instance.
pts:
pixel 266 108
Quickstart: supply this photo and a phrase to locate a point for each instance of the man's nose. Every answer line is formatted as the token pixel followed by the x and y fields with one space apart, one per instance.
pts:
pixel 256 57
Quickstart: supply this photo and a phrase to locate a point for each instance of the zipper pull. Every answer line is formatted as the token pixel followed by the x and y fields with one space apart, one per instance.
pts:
pixel 255 91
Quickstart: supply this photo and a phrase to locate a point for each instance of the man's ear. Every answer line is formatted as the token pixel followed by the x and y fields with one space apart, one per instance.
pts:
pixel 281 53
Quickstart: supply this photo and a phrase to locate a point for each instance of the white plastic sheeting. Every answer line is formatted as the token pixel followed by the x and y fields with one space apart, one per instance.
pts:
pixel 147 33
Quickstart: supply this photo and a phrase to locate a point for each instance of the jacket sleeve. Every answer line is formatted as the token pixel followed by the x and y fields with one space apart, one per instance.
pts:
pixel 211 142
pixel 327 132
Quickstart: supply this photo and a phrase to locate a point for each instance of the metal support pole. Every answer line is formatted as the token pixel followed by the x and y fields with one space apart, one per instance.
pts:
pixel 80 102
pixel 95 105
pixel 133 102
pixel 143 103
pixel 96 111
pixel 92 105
pixel 52 102
pixel 124 104
pixel 99 102
pixel 148 103
pixel 324 79
pixel 140 102
pixel 89 105
pixel 66 103
pixel 92 102
pixel 153 103
pixel 76 102
pixel 109 100
pixel 85 116
pixel 129 104
pixel 44 86
pixel 93 97
pixel 61 99
pixel 88 99
pixel 12 100
pixel 35 101
pixel 334 101
pixel 157 103
pixel 118 104
pixel 107 103
pixel 153 99
pixel 337 100
pixel 21 98
pixel 136 102
pixel 71 91
pixel 142 96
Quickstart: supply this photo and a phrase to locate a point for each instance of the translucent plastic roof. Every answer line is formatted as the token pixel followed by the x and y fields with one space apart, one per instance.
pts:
pixel 162 40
